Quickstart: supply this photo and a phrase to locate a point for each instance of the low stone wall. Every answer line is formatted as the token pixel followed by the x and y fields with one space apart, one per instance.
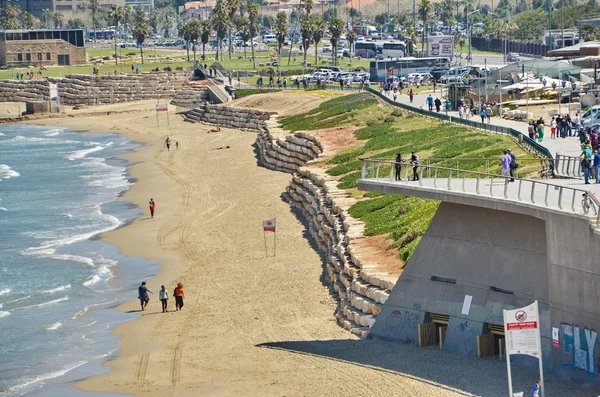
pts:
pixel 228 117
pixel 91 90
pixel 289 154
pixel 360 288
pixel 191 99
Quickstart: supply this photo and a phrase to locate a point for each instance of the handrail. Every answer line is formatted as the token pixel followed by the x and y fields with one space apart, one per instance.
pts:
pixel 539 197
pixel 568 166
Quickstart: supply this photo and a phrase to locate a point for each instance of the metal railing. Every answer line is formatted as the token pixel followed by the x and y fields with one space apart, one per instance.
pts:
pixel 489 164
pixel 568 166
pixel 523 139
pixel 530 191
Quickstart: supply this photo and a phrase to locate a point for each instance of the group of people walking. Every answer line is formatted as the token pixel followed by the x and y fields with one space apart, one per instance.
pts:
pixel 163 296
pixel 563 126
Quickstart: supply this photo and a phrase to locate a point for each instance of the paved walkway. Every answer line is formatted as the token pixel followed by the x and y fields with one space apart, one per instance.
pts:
pixel 568 146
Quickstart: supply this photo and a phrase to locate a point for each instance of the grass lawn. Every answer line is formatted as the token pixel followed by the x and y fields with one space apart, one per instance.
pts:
pixel 386 131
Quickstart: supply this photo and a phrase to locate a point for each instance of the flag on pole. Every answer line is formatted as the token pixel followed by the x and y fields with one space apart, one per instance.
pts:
pixel 269 226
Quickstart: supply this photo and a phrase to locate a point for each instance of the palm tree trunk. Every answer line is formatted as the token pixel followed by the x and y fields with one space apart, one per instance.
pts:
pixel 187 47
pixel 194 50
pixel 423 38
pixel 316 56
pixel 94 25
pixel 290 53
pixel 230 41
pixel 142 53
pixel 351 54
pixel 252 45
pixel 218 45
pixel 116 57
pixel 203 51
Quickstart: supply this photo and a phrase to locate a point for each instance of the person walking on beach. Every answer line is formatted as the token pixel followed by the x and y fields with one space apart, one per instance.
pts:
pixel 168 144
pixel 152 206
pixel 178 294
pixel 143 295
pixel 164 298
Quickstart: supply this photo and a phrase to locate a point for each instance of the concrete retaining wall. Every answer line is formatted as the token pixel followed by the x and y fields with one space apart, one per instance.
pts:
pixel 360 288
pixel 229 117
pixel 90 90
pixel 289 154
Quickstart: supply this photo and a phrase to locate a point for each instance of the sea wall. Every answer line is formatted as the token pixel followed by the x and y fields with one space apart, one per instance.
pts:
pixel 361 289
pixel 288 154
pixel 228 117
pixel 89 90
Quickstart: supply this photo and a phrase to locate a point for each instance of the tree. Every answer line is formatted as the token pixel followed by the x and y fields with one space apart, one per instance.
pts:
pixel 281 32
pixel 153 20
pixel 9 17
pixel 319 31
pixel 127 10
pixel 29 21
pixel 411 40
pixel 185 34
pixel 232 6
pixel 351 37
pixel 308 6
pixel 139 16
pixel 48 19
pixel 140 31
pixel 195 31
pixel 336 28
pixel 590 32
pixel 204 37
pixel 329 14
pixel 221 22
pixel 354 13
pixel 167 23
pixel 58 20
pixel 306 32
pixel 252 16
pixel 115 13
pixel 425 8
pixel 94 7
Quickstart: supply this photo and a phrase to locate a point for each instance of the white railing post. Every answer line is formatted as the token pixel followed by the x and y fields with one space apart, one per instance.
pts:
pixel 546 196
pixel 464 179
pixel 477 186
pixel 560 193
pixel 506 188
pixel 573 201
pixel 421 177
pixel 450 181
pixel 377 173
pixel 491 186
pixel 519 191
pixel 532 192
pixel 392 173
pixel 435 179
pixel 364 169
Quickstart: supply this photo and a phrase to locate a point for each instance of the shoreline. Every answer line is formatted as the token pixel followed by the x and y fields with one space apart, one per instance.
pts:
pixel 142 173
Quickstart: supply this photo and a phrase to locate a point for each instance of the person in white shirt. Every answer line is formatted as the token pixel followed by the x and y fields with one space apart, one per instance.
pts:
pixel 164 298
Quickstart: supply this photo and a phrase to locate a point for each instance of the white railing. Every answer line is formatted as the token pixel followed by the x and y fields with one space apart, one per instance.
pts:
pixel 530 191
pixel 568 166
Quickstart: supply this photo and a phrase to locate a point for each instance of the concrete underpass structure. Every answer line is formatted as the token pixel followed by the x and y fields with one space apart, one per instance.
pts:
pixel 506 245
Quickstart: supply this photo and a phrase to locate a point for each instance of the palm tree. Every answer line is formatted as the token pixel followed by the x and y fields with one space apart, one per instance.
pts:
pixel 153 20
pixel 281 32
pixel 204 37
pixel 308 6
pixel 425 8
pixel 307 27
pixel 244 29
pixel 116 14
pixel 94 7
pixel 195 30
pixel 29 20
pixel 412 39
pixel 221 22
pixel 127 10
pixel 319 31
pixel 232 6
pixel 185 33
pixel 140 31
pixel 58 20
pixel 336 28
pixel 167 23
pixel 252 17
pixel 351 37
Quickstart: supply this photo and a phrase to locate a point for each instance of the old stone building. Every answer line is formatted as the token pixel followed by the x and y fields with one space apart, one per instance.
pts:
pixel 47 47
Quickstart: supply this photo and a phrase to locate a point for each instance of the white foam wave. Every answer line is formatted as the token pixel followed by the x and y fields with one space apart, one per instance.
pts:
pixel 4 314
pixel 85 309
pixel 52 302
pixel 43 377
pixel 3 209
pixel 18 299
pixel 57 289
pixel 1 134
pixel 79 154
pixel 53 327
pixel 4 291
pixel 54 132
pixel 103 273
pixel 88 324
pixel 93 280
pixel 6 172
pixel 50 253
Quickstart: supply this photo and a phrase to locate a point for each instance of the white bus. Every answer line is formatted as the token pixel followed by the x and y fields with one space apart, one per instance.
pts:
pixel 394 50
pixel 380 70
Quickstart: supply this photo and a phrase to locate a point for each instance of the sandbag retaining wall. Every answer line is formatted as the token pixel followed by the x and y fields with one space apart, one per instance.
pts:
pixel 361 290
pixel 289 154
pixel 90 90
pixel 228 117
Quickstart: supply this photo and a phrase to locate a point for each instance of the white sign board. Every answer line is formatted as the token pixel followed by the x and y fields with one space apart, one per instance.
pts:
pixel 53 91
pixel 162 107
pixel 466 308
pixel 522 332
pixel 440 46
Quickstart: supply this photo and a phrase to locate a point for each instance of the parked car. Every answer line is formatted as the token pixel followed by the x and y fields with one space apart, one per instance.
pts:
pixel 513 57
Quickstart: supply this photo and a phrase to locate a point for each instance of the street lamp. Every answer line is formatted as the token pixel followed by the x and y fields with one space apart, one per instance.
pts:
pixel 470 35
pixel 564 84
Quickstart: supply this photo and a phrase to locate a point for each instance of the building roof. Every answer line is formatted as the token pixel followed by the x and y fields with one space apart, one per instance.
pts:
pixel 574 49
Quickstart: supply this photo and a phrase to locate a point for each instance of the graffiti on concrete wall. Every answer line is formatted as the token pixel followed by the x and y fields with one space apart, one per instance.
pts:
pixel 398 320
pixel 578 348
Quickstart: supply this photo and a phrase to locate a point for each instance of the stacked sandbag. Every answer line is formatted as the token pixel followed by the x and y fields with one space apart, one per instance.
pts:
pixel 360 289
pixel 23 90
pixel 289 154
pixel 191 98
pixel 229 117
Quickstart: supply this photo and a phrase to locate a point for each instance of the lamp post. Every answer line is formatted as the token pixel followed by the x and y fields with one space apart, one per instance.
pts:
pixel 564 84
pixel 573 86
pixel 470 35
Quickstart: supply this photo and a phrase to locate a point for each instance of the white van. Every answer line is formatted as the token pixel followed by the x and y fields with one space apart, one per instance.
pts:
pixel 270 39
pixel 592 116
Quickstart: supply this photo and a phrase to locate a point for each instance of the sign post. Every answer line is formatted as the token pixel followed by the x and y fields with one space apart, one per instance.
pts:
pixel 270 226
pixel 522 331
pixel 162 107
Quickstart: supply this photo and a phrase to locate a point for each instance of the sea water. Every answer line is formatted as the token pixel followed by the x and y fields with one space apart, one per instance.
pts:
pixel 59 283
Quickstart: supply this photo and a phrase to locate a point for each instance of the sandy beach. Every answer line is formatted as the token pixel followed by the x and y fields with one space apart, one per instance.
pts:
pixel 251 325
